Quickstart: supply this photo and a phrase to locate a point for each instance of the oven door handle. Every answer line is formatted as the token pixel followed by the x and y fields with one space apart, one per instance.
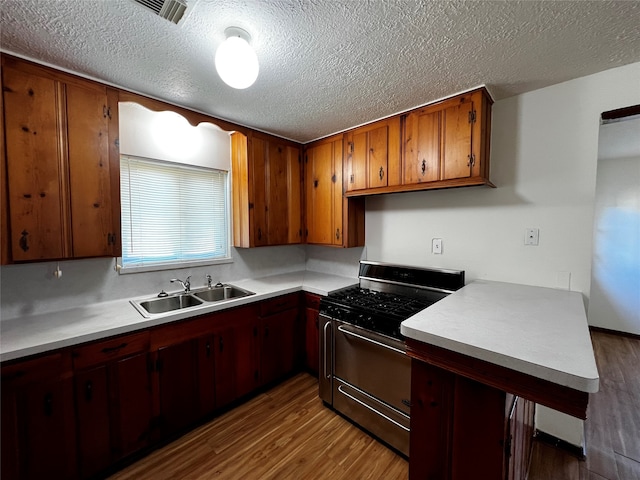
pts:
pixel 341 390
pixel 370 340
pixel 326 347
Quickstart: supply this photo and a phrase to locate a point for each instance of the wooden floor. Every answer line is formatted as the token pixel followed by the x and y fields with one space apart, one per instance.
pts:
pixel 612 428
pixel 286 433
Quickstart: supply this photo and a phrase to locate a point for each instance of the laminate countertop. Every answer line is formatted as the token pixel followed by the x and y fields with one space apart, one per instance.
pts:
pixel 30 335
pixel 538 331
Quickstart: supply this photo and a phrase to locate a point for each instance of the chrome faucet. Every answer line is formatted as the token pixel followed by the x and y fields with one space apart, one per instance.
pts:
pixel 186 284
pixel 209 280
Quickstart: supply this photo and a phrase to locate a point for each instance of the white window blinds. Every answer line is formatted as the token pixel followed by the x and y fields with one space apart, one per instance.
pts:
pixel 172 213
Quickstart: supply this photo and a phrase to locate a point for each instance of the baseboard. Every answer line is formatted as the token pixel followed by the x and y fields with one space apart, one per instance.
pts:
pixel 554 441
pixel 614 332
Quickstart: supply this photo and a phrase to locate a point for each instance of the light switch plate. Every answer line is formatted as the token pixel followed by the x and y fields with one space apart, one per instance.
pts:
pixel 436 246
pixel 531 236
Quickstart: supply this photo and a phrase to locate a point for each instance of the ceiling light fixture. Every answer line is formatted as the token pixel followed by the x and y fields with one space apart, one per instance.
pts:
pixel 236 62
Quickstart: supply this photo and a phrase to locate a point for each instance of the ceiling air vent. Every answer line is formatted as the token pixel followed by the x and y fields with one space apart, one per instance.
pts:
pixel 172 10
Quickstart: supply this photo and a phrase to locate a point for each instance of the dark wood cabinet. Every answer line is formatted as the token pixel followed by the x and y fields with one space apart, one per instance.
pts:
pixel 61 177
pixel 176 366
pixel 278 326
pixel 267 191
pixel 330 218
pixel 311 341
pixel 461 425
pixel 38 421
pixel 113 400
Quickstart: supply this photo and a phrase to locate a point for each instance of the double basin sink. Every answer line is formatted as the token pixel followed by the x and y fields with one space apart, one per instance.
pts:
pixel 194 298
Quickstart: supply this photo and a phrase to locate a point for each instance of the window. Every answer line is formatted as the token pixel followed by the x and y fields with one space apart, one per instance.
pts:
pixel 172 214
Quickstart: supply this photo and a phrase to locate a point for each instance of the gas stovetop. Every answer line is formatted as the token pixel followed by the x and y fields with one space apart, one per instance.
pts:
pixel 373 301
pixel 389 294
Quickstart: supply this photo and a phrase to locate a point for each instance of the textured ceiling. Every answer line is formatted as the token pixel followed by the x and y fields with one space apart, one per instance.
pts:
pixel 326 65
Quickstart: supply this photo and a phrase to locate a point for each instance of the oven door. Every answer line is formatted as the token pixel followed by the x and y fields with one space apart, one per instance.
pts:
pixel 373 383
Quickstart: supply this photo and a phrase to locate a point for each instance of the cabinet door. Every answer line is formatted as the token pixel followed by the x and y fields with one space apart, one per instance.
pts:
pixel 337 202
pixel 89 175
pixel 258 201
pixel 278 347
pixel 206 375
pixel 457 125
pixel 294 189
pixel 35 165
pixel 247 353
pixel 377 157
pixel 311 339
pixel 130 390
pixel 357 161
pixel 225 344
pixel 178 386
pixel 278 194
pixel 422 147
pixel 319 193
pixel 92 407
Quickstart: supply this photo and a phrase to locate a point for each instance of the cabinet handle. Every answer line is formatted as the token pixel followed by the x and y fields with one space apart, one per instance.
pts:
pixel 208 349
pixel 48 404
pixel 472 160
pixel 259 234
pixel 337 234
pixel 114 349
pixel 334 178
pixel 350 146
pixel 351 178
pixel 315 184
pixel 88 391
pixel 24 241
pixel 424 166
pixel 381 173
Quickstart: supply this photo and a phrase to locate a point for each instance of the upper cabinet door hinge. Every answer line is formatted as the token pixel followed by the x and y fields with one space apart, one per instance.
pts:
pixel 472 116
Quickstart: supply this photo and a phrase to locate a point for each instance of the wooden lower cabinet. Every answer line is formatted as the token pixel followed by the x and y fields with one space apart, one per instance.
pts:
pixel 38 422
pixel 113 400
pixel 460 427
pixel 311 312
pixel 77 412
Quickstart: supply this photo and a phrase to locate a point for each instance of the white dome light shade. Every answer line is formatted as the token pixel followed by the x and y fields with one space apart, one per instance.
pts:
pixel 236 62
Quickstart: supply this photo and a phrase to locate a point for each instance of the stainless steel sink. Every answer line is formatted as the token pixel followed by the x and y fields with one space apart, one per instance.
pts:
pixel 225 292
pixel 167 304
pixel 183 300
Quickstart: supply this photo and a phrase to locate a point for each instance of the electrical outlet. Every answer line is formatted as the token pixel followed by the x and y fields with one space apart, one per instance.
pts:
pixel 436 246
pixel 531 236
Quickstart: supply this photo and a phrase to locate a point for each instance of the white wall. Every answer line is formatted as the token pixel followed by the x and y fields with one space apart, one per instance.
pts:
pixel 543 161
pixel 615 274
pixel 544 151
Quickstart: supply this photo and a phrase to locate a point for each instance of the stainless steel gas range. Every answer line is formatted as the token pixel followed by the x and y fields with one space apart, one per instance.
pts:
pixel 365 373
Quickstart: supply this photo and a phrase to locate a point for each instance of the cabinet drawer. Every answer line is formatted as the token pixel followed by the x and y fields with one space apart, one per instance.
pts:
pixel 279 304
pixel 312 301
pixel 36 370
pixel 112 349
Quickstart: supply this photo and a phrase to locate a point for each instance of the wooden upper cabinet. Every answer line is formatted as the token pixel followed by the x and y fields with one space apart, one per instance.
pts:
pixel 331 219
pixel 422 147
pixel 441 145
pixel 267 191
pixel 373 155
pixel 60 175
pixel 447 144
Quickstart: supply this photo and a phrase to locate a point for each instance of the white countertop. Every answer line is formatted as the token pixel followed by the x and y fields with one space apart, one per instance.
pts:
pixel 534 330
pixel 35 334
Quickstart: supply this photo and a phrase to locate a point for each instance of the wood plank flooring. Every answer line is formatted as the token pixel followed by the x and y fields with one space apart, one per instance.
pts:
pixel 612 428
pixel 286 433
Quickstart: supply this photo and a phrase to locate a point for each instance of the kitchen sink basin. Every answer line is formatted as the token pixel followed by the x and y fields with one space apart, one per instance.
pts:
pixel 225 292
pixel 168 304
pixel 196 298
